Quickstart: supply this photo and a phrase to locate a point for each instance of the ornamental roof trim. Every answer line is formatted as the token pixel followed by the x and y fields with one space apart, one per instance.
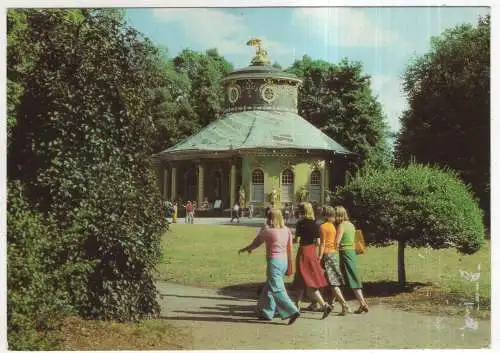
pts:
pixel 257 130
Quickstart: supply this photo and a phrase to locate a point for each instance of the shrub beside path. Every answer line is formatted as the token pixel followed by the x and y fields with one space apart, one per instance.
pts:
pixel 211 320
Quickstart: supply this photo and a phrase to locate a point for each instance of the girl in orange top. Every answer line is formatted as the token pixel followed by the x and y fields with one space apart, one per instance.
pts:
pixel 329 257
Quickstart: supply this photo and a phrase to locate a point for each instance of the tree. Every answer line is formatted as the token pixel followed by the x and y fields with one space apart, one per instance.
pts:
pixel 338 100
pixel 416 206
pixel 277 65
pixel 192 98
pixel 448 120
pixel 173 115
pixel 81 148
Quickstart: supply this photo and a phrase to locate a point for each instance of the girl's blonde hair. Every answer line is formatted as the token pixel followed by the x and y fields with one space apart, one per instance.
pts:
pixel 329 213
pixel 340 215
pixel 307 210
pixel 275 219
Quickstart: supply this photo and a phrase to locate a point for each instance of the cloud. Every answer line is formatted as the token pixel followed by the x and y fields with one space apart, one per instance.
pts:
pixel 345 27
pixel 215 28
pixel 389 90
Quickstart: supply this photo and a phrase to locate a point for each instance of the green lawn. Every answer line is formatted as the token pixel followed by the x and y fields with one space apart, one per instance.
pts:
pixel 206 255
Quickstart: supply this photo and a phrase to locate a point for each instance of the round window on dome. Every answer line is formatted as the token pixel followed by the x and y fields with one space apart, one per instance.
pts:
pixel 268 93
pixel 233 93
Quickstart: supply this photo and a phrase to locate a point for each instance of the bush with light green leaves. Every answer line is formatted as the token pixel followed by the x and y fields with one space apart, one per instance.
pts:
pixel 416 206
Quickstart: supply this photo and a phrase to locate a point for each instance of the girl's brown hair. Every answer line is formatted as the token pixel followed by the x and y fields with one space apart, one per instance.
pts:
pixel 329 213
pixel 340 215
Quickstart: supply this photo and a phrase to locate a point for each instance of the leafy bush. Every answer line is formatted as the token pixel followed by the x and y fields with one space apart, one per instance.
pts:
pixel 417 206
pixel 35 301
pixel 122 231
pixel 81 145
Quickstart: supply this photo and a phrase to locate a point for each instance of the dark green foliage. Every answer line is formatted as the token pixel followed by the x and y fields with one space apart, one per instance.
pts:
pixel 20 56
pixel 192 97
pixel 121 223
pixel 417 205
pixel 338 100
pixel 81 146
pixel 35 301
pixel 276 65
pixel 448 121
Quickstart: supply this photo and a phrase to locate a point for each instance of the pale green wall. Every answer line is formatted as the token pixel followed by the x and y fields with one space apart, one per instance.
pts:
pixel 272 168
pixel 302 176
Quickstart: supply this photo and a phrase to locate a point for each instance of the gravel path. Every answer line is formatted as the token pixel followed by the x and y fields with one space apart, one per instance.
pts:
pixel 215 321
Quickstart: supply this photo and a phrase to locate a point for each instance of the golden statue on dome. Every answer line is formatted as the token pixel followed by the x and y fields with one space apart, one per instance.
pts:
pixel 260 57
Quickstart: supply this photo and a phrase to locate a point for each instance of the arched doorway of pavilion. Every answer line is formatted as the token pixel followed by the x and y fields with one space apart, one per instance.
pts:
pixel 217 184
pixel 190 184
pixel 217 195
pixel 315 186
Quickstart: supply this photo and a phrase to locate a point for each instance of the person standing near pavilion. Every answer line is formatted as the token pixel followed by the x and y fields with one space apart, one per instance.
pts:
pixel 267 211
pixel 235 212
pixel 250 210
pixel 189 213
pixel 174 213
pixel 274 297
pixel 287 213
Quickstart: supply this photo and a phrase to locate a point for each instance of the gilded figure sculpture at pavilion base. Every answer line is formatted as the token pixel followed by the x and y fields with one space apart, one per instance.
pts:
pixel 242 198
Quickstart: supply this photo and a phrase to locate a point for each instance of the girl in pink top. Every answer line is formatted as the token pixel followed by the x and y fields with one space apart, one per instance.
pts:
pixel 278 240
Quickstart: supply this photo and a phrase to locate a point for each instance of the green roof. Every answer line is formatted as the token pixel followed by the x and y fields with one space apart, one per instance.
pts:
pixel 257 129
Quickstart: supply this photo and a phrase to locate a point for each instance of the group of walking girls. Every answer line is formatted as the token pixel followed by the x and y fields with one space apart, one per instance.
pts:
pixel 326 258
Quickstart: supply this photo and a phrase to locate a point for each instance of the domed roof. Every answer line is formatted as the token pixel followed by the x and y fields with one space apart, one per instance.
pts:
pixel 261 116
pixel 256 129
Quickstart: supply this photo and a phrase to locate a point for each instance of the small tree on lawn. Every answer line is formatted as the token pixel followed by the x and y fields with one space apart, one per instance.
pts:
pixel 416 206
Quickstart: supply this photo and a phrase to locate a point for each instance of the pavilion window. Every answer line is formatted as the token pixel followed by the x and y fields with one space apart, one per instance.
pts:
pixel 287 186
pixel 257 194
pixel 315 187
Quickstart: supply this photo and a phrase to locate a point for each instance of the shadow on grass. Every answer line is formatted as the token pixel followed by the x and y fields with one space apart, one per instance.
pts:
pixel 370 289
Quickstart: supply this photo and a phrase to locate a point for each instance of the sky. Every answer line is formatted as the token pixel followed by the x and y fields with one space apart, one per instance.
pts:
pixel 384 39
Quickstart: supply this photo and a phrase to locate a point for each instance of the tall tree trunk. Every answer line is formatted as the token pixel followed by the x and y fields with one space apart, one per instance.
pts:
pixel 401 263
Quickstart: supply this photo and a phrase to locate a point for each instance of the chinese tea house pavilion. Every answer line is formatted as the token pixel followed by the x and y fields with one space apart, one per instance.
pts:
pixel 259 150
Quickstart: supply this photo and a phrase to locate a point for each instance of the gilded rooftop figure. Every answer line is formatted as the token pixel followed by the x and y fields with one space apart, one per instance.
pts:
pixel 260 57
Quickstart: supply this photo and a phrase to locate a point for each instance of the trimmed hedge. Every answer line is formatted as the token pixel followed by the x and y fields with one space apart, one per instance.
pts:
pixel 419 205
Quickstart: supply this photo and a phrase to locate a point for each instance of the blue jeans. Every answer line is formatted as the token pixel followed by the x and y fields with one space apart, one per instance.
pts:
pixel 274 296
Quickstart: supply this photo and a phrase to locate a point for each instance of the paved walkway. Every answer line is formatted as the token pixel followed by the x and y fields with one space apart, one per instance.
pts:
pixel 227 221
pixel 216 321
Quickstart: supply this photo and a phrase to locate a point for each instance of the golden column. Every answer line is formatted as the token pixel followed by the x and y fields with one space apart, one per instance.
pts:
pixel 232 185
pixel 174 183
pixel 200 184
pixel 324 178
